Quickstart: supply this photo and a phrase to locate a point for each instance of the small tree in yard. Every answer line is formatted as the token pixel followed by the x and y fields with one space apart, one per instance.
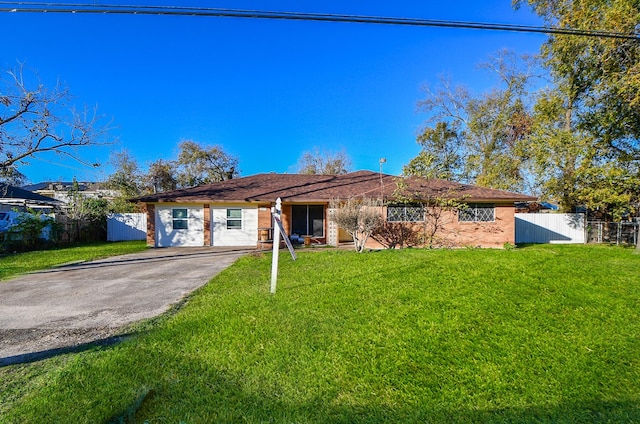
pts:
pixel 30 231
pixel 358 217
pixel 85 213
pixel 434 207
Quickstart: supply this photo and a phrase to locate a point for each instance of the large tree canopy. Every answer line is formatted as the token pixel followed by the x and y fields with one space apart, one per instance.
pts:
pixel 585 142
pixel 600 75
pixel 475 138
pixel 199 164
pixel 195 165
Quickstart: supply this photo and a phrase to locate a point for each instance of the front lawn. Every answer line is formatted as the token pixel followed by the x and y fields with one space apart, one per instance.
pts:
pixel 20 263
pixel 539 334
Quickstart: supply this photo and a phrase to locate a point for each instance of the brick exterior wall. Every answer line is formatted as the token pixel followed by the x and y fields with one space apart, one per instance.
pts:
pixel 264 216
pixel 286 218
pixel 486 234
pixel 151 225
pixel 454 234
pixel 471 234
pixel 207 224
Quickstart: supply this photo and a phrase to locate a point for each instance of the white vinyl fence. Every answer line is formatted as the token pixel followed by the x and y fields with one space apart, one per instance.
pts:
pixel 126 226
pixel 550 228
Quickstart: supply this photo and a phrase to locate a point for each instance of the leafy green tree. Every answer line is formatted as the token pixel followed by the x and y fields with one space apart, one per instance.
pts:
pixel 127 181
pixel 324 162
pixel 84 213
pixel 161 176
pixel 127 177
pixel 440 155
pixel 475 139
pixel 199 164
pixel 585 145
pixel 603 72
pixel 558 151
pixel 31 231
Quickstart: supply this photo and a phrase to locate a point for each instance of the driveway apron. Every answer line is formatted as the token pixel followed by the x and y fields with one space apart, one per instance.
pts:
pixel 81 303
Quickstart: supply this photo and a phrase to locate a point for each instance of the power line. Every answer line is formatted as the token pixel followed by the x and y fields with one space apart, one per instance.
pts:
pixel 41 7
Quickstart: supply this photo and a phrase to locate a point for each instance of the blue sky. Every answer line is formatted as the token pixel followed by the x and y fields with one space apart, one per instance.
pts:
pixel 266 90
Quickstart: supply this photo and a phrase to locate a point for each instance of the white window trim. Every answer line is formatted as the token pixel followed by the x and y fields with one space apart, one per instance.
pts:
pixel 241 219
pixel 185 219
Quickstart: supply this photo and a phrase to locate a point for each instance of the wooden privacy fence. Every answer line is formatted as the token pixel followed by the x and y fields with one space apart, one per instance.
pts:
pixel 550 228
pixel 80 230
pixel 126 226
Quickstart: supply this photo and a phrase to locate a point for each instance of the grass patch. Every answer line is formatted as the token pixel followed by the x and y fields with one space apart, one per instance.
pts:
pixel 541 334
pixel 20 263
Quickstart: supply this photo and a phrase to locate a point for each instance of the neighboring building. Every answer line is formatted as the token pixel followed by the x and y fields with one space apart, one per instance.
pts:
pixel 17 199
pixel 536 207
pixel 237 212
pixel 60 190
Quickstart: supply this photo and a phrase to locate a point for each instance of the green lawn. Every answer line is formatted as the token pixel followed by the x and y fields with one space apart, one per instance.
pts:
pixel 19 263
pixel 537 334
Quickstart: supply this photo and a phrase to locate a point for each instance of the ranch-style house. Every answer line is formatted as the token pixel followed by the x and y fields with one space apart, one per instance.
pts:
pixel 237 212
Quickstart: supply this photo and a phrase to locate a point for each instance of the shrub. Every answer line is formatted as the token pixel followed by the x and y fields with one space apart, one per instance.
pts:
pixel 31 231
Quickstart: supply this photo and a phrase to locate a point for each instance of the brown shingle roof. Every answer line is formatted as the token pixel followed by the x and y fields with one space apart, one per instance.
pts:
pixel 322 188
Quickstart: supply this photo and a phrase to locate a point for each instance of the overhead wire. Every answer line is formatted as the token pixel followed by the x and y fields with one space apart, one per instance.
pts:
pixel 44 7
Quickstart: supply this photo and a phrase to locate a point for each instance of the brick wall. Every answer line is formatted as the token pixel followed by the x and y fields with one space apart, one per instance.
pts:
pixel 207 224
pixel 151 225
pixel 473 234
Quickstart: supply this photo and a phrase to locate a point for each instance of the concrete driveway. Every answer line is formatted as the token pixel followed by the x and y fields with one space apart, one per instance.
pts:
pixel 47 311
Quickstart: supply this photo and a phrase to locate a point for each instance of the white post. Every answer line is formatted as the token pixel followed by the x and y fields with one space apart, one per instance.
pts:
pixel 277 210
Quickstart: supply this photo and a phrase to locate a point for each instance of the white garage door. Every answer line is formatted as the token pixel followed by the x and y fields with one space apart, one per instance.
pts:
pixel 179 225
pixel 234 226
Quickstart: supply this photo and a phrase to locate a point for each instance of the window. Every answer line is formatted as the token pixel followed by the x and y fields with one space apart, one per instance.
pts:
pixel 478 212
pixel 405 213
pixel 180 219
pixel 307 220
pixel 234 219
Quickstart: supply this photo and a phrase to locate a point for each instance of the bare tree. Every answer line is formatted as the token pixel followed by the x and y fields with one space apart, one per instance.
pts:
pixel 358 217
pixel 324 162
pixel 34 120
